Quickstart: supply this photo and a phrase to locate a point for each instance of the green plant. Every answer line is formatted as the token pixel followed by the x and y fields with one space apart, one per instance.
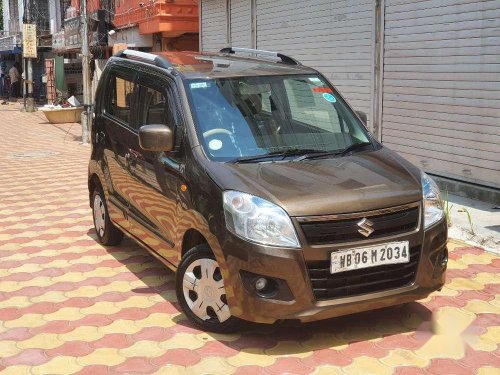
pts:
pixel 469 217
pixel 447 208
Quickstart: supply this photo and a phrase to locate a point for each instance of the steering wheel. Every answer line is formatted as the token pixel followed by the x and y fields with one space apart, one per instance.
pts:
pixel 211 132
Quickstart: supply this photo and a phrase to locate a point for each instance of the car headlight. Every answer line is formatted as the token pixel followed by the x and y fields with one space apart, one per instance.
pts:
pixel 258 220
pixel 433 204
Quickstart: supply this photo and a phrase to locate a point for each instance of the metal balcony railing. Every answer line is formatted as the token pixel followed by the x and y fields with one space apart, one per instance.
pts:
pixel 136 15
pixel 9 41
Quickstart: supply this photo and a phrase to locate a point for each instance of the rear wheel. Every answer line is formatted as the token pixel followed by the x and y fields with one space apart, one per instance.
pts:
pixel 107 233
pixel 201 293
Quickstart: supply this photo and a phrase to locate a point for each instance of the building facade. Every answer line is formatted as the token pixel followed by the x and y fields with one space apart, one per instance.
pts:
pixel 45 17
pixel 157 25
pixel 151 25
pixel 427 73
pixel 10 42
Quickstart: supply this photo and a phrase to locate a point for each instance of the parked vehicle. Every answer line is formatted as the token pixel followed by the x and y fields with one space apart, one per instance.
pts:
pixel 254 180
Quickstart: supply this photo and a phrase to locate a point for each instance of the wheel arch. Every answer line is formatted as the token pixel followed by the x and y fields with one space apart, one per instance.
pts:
pixel 192 238
pixel 93 183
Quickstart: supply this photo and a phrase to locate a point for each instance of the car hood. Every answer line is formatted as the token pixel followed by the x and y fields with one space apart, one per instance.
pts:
pixel 360 182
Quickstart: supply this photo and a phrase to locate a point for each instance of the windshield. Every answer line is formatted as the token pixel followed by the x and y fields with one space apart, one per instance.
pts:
pixel 253 116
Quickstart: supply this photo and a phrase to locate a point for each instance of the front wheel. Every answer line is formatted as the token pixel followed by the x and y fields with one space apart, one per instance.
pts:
pixel 201 293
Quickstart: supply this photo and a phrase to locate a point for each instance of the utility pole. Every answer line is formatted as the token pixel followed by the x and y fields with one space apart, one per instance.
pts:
pixel 87 111
pixel 30 102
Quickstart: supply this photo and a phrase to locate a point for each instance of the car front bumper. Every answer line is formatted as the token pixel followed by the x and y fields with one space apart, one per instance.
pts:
pixel 289 267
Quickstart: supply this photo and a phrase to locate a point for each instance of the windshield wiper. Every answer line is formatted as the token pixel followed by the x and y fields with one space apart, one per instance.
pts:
pixel 353 147
pixel 283 153
pixel 343 152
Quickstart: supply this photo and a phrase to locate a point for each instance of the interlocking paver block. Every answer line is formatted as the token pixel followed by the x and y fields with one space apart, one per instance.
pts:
pixel 69 305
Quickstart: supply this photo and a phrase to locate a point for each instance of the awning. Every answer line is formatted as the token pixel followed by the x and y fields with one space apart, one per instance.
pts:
pixel 14 51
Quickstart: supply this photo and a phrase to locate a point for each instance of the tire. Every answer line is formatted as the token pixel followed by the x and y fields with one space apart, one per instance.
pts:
pixel 206 306
pixel 107 233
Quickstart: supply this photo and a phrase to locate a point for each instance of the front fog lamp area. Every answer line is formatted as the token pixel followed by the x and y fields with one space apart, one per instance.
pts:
pixel 258 220
pixel 433 204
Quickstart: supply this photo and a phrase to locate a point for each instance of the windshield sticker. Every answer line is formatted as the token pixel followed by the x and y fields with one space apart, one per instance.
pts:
pixel 215 144
pixel 315 79
pixel 198 85
pixel 329 97
pixel 322 89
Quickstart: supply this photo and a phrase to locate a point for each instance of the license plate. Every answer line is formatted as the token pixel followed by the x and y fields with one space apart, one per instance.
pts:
pixel 370 256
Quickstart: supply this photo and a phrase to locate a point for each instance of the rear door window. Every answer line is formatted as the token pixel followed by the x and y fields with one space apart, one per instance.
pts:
pixel 120 103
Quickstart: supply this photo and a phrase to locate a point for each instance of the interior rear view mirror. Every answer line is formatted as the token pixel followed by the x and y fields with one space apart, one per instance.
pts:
pixel 362 116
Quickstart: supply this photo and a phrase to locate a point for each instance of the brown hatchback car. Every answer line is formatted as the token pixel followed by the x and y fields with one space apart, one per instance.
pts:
pixel 254 180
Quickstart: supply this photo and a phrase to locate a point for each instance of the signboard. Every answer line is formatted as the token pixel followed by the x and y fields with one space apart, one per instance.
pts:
pixel 58 41
pixel 131 37
pixel 72 34
pixel 45 41
pixel 29 40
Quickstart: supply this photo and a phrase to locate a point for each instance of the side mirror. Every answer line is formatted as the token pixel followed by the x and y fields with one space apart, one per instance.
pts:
pixel 156 138
pixel 362 116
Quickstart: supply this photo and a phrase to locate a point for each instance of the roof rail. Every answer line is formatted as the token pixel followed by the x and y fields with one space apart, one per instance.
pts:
pixel 284 58
pixel 159 61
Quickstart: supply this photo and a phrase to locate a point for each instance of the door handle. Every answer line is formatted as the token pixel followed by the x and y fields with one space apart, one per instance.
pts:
pixel 127 160
pixel 131 157
pixel 136 157
pixel 134 154
pixel 99 138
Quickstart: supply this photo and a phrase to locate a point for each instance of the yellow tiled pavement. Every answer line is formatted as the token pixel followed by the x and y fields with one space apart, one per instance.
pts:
pixel 68 305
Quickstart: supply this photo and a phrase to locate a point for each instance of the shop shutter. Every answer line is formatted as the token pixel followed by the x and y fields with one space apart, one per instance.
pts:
pixel 333 36
pixel 441 103
pixel 241 23
pixel 213 25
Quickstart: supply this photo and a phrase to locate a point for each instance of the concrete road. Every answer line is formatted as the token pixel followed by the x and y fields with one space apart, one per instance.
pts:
pixel 475 222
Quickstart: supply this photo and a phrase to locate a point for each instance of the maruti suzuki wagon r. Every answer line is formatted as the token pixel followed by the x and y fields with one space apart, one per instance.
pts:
pixel 251 177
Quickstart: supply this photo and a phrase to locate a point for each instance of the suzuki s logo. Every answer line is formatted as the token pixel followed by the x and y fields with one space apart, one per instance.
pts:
pixel 365 226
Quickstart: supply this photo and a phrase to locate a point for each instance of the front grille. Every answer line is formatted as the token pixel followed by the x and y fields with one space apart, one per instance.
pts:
pixel 367 280
pixel 344 230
